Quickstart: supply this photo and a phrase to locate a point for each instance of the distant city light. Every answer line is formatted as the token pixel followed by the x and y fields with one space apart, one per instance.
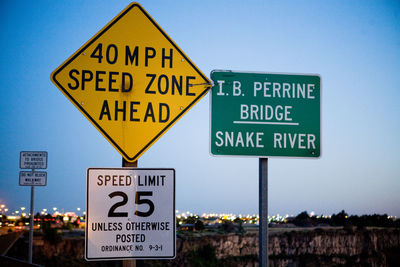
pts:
pixel 185 217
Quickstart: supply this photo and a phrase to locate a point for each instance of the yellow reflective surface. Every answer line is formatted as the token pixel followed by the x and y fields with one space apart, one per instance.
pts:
pixel 131 81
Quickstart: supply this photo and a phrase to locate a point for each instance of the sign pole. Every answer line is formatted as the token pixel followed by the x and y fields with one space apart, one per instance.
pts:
pixel 263 212
pixel 129 164
pixel 31 224
pixel 32 160
pixel 125 163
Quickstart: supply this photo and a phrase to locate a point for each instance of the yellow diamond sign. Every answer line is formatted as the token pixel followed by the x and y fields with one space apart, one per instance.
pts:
pixel 131 81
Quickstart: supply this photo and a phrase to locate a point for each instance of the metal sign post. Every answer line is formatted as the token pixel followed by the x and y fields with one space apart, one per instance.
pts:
pixel 31 224
pixel 32 160
pixel 125 163
pixel 263 213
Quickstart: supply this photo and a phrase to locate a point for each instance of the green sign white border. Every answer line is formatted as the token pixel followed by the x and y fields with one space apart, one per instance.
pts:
pixel 263 156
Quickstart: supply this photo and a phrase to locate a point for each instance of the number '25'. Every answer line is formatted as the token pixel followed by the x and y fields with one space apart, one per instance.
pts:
pixel 138 200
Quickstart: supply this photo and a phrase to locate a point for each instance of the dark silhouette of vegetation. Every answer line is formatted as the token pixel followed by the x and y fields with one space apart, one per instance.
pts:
pixel 51 234
pixel 190 220
pixel 228 227
pixel 340 219
pixel 232 227
pixel 303 219
pixel 199 225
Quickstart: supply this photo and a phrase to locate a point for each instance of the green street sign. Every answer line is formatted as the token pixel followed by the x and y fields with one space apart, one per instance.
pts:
pixel 265 114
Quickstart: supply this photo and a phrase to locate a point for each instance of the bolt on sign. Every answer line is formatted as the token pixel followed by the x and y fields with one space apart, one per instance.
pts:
pixel 131 81
pixel 130 214
pixel 265 114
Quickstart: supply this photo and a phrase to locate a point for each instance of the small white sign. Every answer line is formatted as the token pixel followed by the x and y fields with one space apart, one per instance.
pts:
pixel 27 178
pixel 33 160
pixel 130 214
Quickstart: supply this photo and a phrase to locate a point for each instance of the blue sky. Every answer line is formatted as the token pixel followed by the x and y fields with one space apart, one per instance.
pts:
pixel 353 45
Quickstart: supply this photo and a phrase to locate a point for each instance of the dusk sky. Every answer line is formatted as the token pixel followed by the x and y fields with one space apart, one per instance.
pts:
pixel 353 45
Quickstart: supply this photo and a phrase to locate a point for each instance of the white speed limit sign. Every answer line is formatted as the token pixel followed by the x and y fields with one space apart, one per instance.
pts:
pixel 130 214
